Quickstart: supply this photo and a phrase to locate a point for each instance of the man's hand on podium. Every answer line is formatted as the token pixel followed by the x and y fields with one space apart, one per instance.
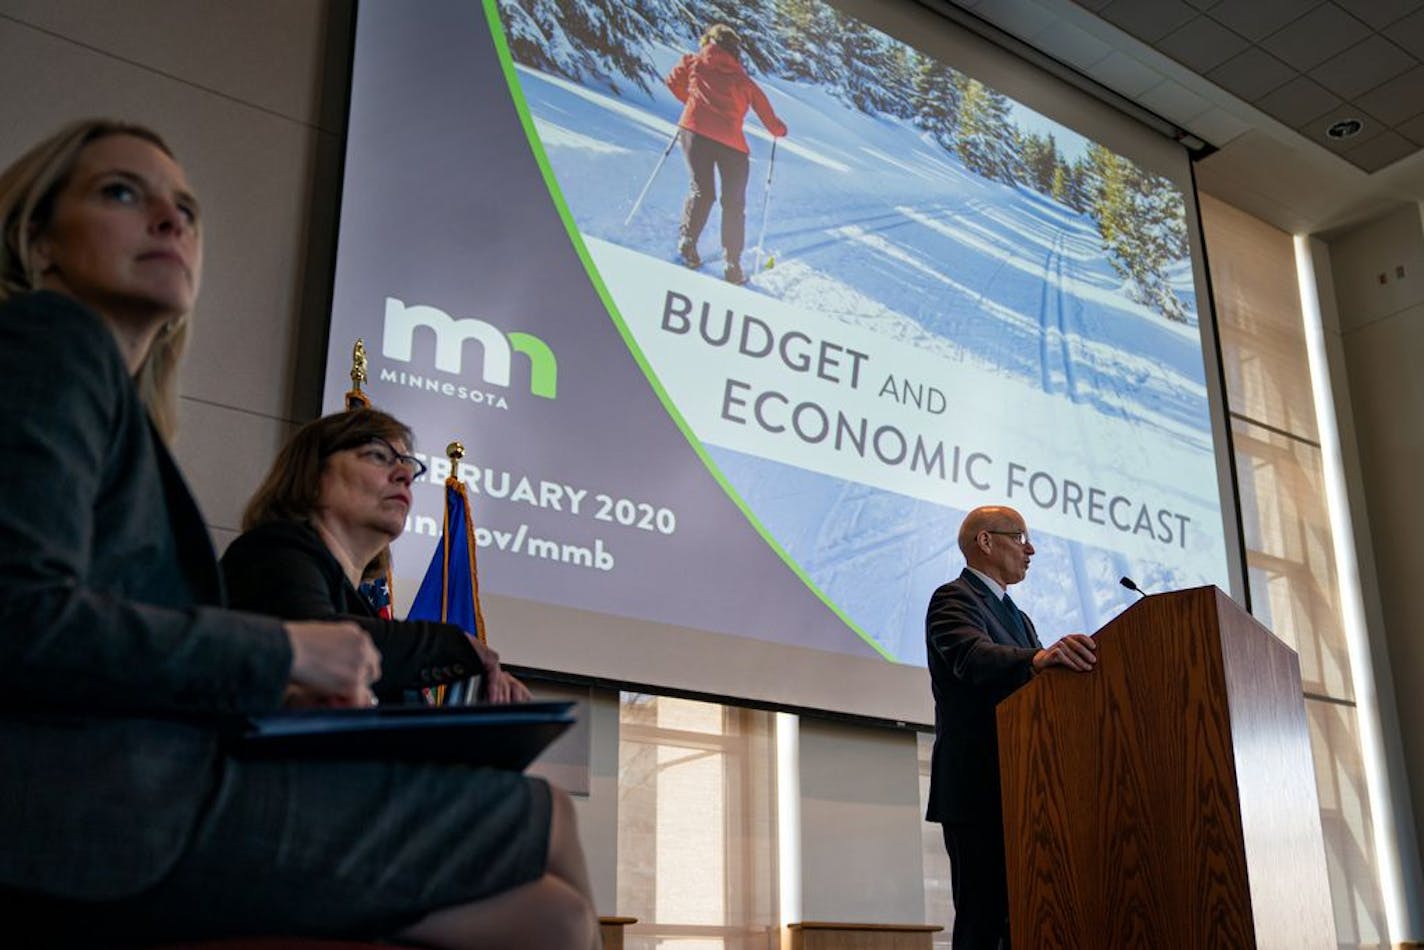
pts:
pixel 1076 651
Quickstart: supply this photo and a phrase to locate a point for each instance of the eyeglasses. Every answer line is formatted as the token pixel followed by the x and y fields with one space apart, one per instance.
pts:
pixel 1020 536
pixel 381 452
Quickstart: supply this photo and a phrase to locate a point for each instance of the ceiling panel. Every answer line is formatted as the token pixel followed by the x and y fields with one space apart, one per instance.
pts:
pixel 1251 74
pixel 1413 129
pixel 1304 63
pixel 1398 99
pixel 1021 18
pixel 1148 20
pixel 1174 102
pixel 1298 101
pixel 1069 44
pixel 1383 150
pixel 1322 33
pixel 1362 67
pixel 1378 14
pixel 1218 126
pixel 1125 75
pixel 1202 44
pixel 1258 19
pixel 1409 33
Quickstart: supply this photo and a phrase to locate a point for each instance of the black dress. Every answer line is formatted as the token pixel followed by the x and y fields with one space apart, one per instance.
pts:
pixel 284 570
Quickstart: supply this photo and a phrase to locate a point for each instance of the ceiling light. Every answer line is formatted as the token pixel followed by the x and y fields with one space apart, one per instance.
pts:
pixel 1345 128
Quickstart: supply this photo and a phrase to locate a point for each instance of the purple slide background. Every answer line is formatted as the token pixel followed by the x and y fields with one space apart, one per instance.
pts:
pixel 443 205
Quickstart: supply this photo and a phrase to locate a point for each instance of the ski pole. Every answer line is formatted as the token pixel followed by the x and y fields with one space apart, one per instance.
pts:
pixel 765 207
pixel 656 168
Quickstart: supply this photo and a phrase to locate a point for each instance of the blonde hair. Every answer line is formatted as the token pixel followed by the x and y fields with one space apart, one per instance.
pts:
pixel 28 188
pixel 724 36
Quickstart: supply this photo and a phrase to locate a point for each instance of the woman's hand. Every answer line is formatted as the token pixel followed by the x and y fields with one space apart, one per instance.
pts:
pixel 499 687
pixel 334 663
pixel 505 688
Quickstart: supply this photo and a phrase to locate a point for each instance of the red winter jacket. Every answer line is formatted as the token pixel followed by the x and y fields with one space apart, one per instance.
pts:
pixel 717 92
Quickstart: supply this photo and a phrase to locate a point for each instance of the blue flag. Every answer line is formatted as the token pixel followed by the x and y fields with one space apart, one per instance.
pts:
pixel 450 591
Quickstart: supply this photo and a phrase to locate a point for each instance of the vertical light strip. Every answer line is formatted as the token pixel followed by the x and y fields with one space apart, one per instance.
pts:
pixel 788 821
pixel 1352 606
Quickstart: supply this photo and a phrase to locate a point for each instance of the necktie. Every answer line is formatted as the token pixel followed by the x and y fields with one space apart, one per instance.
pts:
pixel 1016 622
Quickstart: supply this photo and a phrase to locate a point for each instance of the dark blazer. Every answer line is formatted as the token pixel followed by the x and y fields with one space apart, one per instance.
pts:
pixel 285 570
pixel 976 658
pixel 115 659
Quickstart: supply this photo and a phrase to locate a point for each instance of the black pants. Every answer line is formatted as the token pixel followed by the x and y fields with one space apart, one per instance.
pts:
pixel 708 160
pixel 979 882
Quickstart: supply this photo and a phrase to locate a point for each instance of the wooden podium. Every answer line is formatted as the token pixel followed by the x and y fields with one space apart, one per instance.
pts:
pixel 1167 799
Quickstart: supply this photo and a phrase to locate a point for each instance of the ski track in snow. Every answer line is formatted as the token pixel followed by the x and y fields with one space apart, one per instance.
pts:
pixel 873 225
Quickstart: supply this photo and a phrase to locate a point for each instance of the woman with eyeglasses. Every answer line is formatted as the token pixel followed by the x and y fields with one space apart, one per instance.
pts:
pixel 124 817
pixel 321 522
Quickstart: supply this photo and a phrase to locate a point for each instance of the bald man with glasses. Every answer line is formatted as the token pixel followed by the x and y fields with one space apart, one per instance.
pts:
pixel 981 648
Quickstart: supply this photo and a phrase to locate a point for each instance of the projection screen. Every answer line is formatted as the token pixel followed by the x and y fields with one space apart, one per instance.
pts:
pixel 967 284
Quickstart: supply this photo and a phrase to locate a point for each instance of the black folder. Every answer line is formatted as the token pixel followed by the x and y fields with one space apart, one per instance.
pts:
pixel 506 736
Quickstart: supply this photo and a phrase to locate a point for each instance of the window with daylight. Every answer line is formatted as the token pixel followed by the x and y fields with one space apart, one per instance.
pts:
pixel 696 825
pixel 1289 546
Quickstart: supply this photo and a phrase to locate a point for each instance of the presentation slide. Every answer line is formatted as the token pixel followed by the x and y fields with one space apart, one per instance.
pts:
pixel 736 386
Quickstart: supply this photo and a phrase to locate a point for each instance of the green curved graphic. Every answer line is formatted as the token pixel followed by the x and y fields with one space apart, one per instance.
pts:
pixel 516 93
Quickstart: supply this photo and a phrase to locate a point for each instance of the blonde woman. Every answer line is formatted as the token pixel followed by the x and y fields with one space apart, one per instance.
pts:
pixel 121 817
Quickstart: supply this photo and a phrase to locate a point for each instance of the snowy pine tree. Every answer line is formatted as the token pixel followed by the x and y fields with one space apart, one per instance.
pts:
pixel 1076 190
pixel 867 73
pixel 1059 188
pixel 1040 160
pixel 936 99
pixel 1141 220
pixel 900 81
pixel 985 138
pixel 594 39
pixel 808 36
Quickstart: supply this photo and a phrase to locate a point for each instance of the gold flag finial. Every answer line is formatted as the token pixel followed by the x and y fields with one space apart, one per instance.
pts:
pixel 456 451
pixel 355 398
pixel 358 364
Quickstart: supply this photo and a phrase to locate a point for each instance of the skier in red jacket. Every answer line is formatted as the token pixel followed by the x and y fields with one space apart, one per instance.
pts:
pixel 716 92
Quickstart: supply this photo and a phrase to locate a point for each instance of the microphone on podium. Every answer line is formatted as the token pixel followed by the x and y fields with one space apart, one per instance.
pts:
pixel 1131 584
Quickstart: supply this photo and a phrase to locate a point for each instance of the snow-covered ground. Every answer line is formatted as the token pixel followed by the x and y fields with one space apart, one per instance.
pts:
pixel 869 223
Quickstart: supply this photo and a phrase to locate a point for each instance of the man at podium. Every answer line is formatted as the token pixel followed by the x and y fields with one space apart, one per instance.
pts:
pixel 981 648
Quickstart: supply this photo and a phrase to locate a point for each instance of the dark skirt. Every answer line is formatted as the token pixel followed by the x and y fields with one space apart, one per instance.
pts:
pixel 331 849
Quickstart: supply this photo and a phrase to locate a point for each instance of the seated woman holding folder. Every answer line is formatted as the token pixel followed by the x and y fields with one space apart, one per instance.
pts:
pixel 335 498
pixel 123 818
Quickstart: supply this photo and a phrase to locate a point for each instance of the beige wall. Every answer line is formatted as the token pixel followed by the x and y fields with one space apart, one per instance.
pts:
pixel 1381 340
pixel 860 825
pixel 237 88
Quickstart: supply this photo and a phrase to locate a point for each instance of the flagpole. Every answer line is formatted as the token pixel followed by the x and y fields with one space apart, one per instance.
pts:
pixel 455 451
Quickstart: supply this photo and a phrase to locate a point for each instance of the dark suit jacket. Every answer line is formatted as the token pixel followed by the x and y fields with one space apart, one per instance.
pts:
pixel 285 570
pixel 975 660
pixel 115 660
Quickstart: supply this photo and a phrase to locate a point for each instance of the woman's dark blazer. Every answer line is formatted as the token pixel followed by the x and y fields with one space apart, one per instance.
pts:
pixel 116 661
pixel 285 570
